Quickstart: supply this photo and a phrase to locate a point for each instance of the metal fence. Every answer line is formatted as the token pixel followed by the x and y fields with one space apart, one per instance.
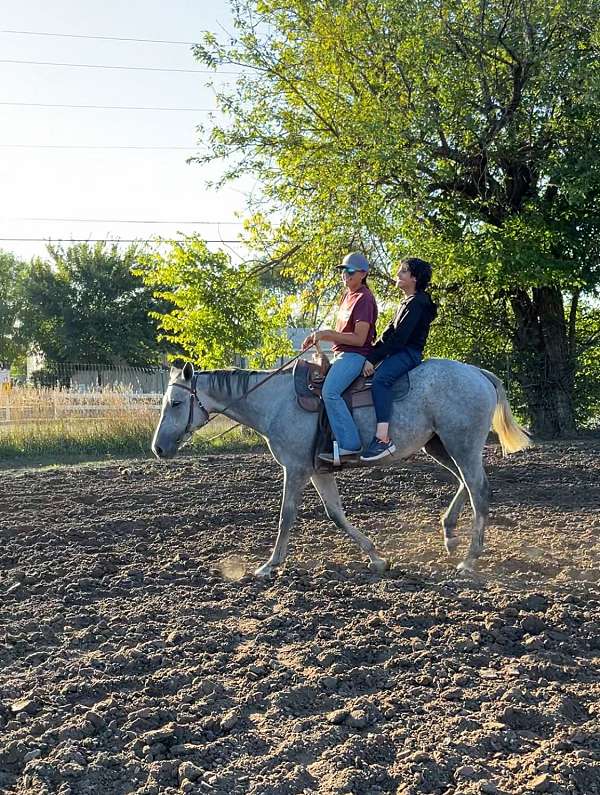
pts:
pixel 94 377
pixel 29 404
pixel 79 393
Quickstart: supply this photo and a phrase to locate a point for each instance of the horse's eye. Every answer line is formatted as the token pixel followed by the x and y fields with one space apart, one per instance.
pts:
pixel 176 403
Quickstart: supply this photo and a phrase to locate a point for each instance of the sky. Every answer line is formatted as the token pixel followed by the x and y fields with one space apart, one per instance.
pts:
pixel 84 193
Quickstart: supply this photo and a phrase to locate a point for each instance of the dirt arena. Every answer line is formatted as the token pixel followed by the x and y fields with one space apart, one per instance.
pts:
pixel 139 655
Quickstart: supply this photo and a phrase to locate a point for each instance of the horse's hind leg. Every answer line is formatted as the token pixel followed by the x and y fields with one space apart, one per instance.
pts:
pixel 327 490
pixel 294 482
pixel 470 465
pixel 437 451
pixel 477 485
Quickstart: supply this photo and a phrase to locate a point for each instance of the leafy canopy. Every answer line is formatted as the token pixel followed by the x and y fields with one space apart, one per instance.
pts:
pixel 395 123
pixel 12 345
pixel 213 309
pixel 84 305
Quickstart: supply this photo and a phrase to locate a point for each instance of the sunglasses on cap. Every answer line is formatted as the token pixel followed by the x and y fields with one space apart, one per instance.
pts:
pixel 350 271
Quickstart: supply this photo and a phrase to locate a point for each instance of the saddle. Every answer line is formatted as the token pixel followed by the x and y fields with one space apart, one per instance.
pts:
pixel 308 383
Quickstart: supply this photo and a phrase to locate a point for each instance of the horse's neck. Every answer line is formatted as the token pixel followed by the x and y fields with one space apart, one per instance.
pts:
pixel 255 410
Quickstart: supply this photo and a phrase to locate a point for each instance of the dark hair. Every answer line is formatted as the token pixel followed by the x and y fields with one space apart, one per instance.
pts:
pixel 420 269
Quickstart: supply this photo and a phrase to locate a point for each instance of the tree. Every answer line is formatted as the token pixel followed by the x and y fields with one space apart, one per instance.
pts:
pixel 464 130
pixel 12 346
pixel 213 310
pixel 84 305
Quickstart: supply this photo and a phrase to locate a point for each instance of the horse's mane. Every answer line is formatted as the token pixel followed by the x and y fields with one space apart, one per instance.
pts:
pixel 235 381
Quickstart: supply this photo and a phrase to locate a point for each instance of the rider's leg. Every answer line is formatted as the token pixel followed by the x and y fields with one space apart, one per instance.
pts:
pixel 385 375
pixel 344 370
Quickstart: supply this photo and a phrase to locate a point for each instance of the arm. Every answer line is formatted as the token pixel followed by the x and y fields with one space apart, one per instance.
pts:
pixel 401 333
pixel 357 337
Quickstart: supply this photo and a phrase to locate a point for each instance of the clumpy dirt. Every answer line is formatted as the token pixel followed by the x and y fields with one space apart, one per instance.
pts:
pixel 139 655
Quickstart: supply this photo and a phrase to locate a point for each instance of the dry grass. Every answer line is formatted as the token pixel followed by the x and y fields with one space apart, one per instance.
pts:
pixel 53 423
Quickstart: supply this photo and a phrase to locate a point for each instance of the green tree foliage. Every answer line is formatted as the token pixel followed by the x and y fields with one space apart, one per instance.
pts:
pixel 12 346
pixel 214 310
pixel 587 385
pixel 466 131
pixel 84 305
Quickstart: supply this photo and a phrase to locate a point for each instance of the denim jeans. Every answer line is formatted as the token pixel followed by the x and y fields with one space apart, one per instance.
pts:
pixel 344 369
pixel 389 371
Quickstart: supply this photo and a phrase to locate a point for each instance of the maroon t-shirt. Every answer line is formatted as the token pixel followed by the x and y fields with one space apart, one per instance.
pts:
pixel 356 307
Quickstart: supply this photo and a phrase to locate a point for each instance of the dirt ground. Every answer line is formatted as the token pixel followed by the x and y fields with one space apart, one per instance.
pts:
pixel 139 655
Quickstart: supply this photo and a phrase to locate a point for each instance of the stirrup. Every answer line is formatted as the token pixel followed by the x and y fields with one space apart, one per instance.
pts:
pixel 341 455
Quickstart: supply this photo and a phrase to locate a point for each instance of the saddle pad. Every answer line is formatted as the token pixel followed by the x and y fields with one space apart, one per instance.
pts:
pixel 364 397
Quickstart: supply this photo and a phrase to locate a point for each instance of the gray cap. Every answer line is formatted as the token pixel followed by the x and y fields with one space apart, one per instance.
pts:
pixel 355 261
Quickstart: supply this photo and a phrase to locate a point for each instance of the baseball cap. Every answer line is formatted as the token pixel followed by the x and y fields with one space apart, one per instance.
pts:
pixel 355 261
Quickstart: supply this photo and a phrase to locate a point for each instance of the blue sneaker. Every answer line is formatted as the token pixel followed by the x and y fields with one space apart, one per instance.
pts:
pixel 378 449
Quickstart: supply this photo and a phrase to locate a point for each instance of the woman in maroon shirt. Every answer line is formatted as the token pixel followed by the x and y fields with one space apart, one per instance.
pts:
pixel 352 341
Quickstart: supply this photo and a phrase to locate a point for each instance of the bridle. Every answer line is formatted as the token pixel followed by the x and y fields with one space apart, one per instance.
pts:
pixel 193 397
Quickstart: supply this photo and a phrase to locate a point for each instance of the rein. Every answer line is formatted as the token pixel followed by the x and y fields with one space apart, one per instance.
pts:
pixel 194 395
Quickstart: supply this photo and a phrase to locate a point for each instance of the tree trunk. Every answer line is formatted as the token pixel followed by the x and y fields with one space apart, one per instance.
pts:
pixel 545 365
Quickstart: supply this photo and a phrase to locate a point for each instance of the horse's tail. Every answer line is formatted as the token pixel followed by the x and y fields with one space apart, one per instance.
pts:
pixel 512 436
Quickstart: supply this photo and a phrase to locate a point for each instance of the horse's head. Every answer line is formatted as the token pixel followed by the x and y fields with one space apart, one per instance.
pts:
pixel 182 413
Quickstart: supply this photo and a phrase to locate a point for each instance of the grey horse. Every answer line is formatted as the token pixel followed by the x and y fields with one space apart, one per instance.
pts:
pixel 448 412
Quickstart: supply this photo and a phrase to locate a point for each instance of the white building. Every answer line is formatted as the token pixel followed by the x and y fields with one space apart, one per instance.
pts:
pixel 296 336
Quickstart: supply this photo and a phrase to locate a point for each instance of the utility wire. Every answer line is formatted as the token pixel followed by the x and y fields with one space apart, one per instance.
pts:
pixel 101 240
pixel 104 38
pixel 83 146
pixel 103 107
pixel 126 68
pixel 123 221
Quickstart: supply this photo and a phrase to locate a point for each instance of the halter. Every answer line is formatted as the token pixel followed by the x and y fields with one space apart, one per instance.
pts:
pixel 193 396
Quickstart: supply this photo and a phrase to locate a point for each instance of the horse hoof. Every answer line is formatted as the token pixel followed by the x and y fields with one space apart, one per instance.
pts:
pixel 264 571
pixel 451 543
pixel 466 567
pixel 379 565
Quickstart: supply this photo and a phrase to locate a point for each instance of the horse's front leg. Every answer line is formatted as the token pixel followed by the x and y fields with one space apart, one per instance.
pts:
pixel 294 482
pixel 328 492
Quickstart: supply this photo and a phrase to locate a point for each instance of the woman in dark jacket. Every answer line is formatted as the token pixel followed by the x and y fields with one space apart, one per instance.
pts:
pixel 399 349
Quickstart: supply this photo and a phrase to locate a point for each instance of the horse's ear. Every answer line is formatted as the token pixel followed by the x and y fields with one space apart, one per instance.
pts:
pixel 174 371
pixel 188 371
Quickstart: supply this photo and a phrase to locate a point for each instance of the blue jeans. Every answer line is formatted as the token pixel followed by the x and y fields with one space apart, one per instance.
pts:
pixel 344 369
pixel 389 371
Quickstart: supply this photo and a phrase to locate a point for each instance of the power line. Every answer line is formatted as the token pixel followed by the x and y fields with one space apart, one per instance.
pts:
pixel 104 107
pixel 127 68
pixel 100 240
pixel 85 146
pixel 104 38
pixel 123 221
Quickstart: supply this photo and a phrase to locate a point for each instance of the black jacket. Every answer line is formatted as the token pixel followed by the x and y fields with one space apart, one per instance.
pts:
pixel 409 328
